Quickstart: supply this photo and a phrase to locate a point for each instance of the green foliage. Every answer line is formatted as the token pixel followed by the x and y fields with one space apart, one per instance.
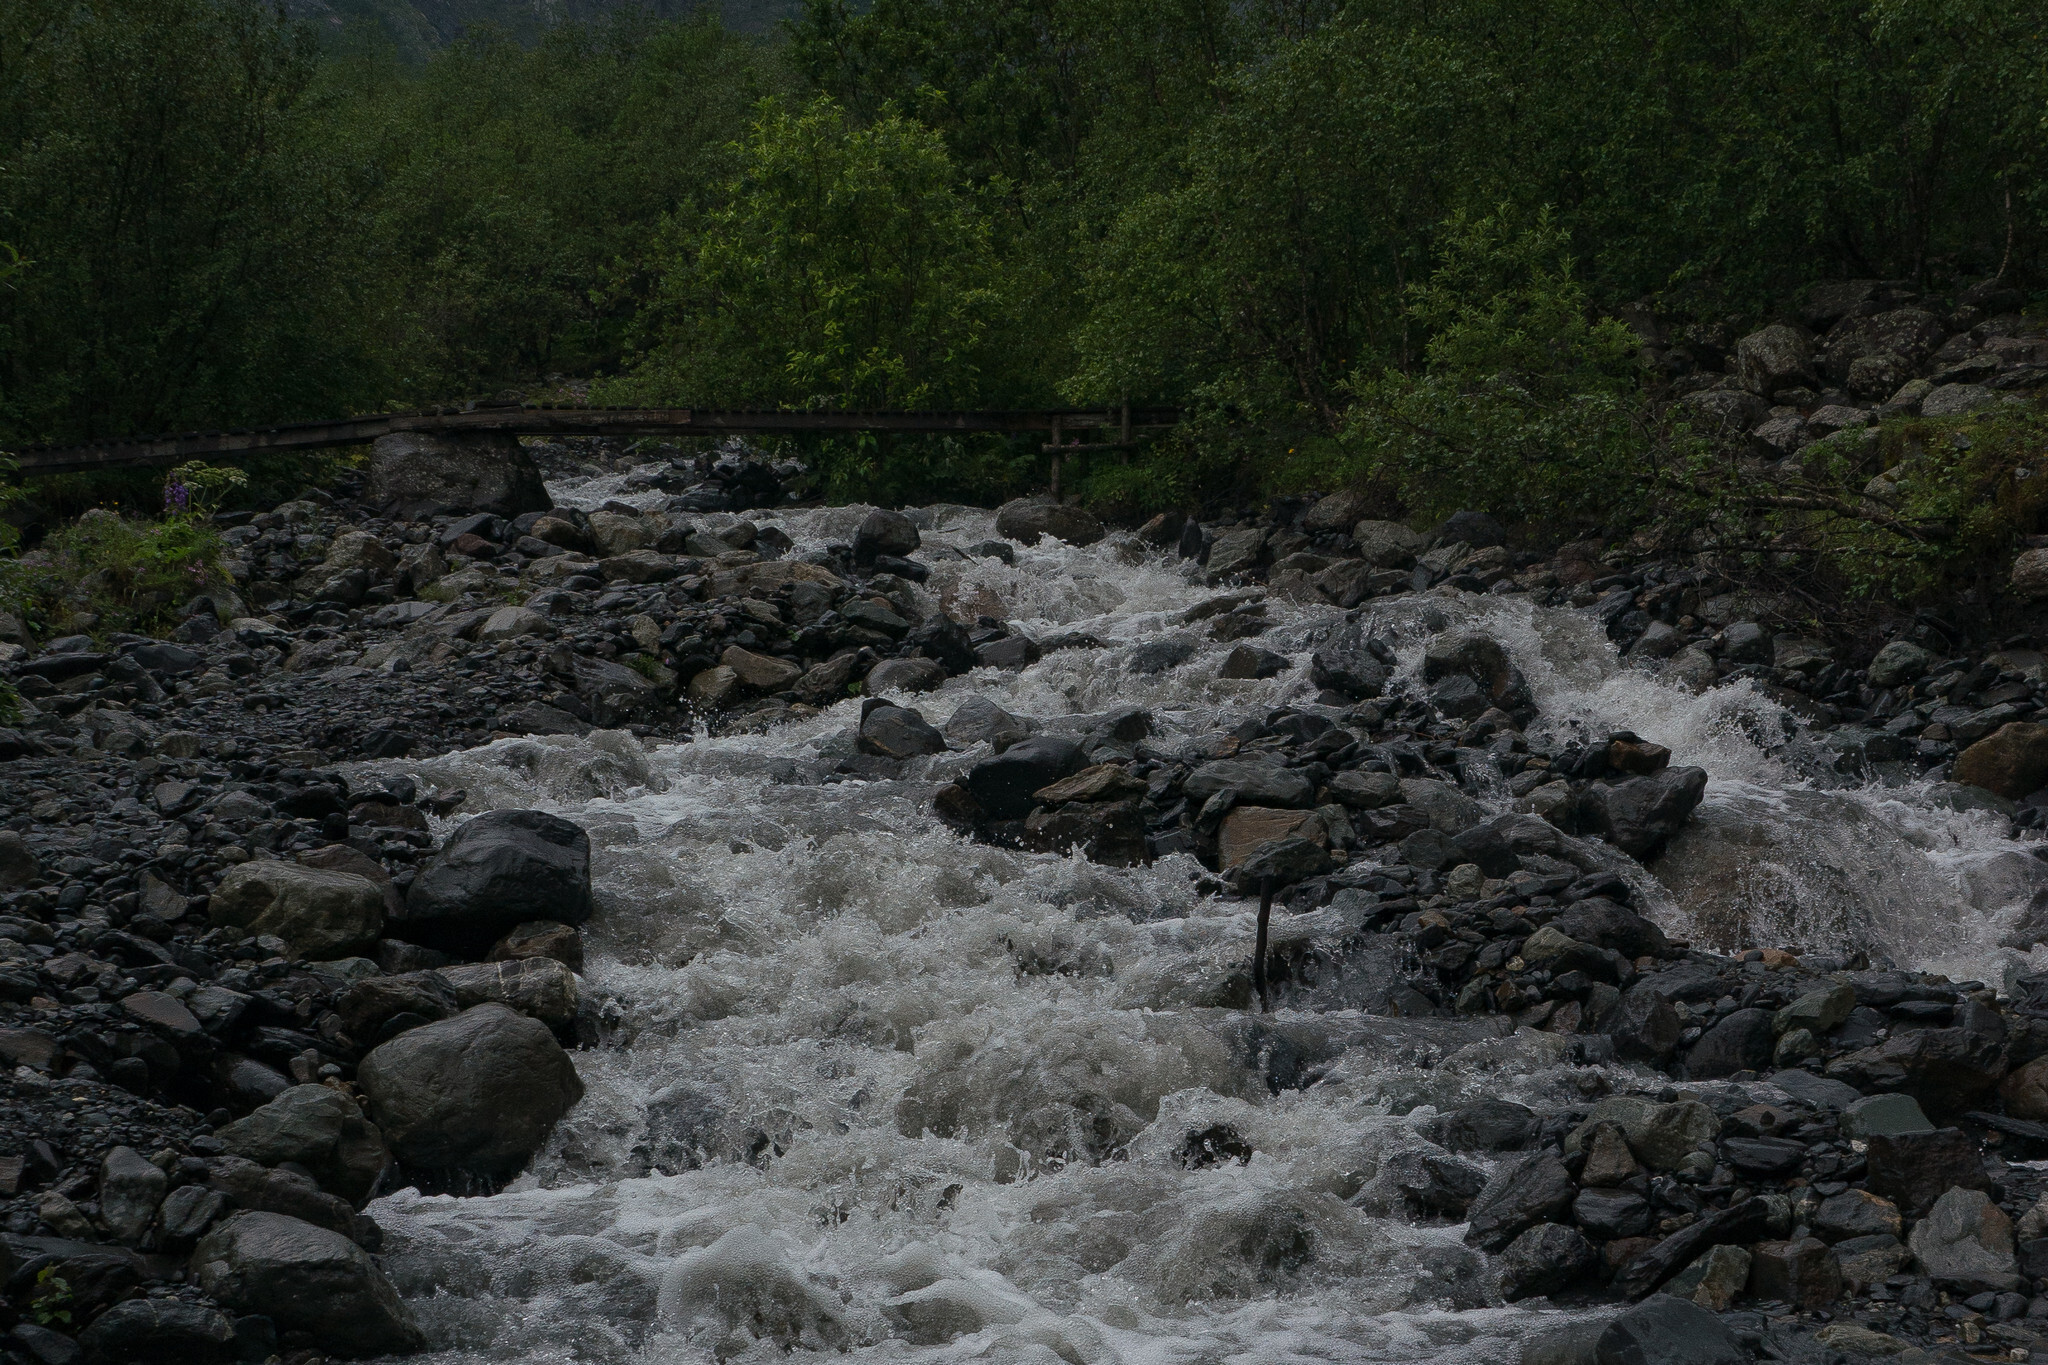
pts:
pixel 1524 407
pixel 1950 500
pixel 198 487
pixel 845 267
pixel 132 575
pixel 160 168
pixel 521 191
pixel 50 1305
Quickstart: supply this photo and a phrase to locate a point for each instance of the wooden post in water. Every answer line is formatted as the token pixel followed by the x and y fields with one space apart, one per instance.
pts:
pixel 1259 950
pixel 1055 459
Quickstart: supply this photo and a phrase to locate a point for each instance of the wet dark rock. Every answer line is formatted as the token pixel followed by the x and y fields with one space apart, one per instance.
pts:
pixel 1740 1042
pixel 1543 1260
pixel 1608 1214
pixel 476 1094
pixel 1915 1169
pixel 1025 521
pixel 152 1331
pixel 1644 1025
pixel 898 732
pixel 1737 1225
pixel 1351 661
pixel 275 1190
pixel 884 533
pixel 1250 662
pixel 1668 1331
pixel 1642 814
pixel 131 1187
pixel 320 1129
pixel 1948 1070
pixel 1256 783
pixel 304 1278
pixel 1002 786
pixel 1534 1189
pixel 495 871
pixel 1484 1126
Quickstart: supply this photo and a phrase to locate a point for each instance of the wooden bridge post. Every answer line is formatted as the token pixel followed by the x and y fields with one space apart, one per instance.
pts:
pixel 1055 459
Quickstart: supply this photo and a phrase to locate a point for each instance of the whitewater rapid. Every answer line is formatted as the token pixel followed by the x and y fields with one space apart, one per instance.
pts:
pixel 871 1090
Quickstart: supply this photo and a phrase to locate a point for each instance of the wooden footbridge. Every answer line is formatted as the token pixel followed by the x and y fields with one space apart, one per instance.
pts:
pixel 1128 424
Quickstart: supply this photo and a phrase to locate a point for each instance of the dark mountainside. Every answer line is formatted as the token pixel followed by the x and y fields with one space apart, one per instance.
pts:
pixel 1517 833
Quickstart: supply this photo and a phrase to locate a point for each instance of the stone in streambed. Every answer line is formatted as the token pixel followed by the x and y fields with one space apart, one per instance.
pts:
pixel 1916 1169
pixel 319 914
pixel 415 474
pixel 156 1331
pixel 1663 1330
pixel 1025 520
pixel 538 987
pixel 883 532
pixel 497 870
pixel 131 1187
pixel 1715 1280
pixel 898 732
pixel 1543 1260
pixel 1740 1042
pixel 1003 786
pixel 2010 762
pixel 1965 1244
pixel 476 1094
pixel 1256 783
pixel 306 1279
pixel 1639 816
pixel 1802 1272
pixel 320 1129
pixel 1535 1189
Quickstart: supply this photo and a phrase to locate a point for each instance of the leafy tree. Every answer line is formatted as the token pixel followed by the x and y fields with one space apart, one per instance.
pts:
pixel 846 266
pixel 1525 407
pixel 521 190
pixel 189 236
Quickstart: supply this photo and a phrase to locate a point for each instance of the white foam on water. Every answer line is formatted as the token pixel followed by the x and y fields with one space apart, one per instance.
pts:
pixel 875 1091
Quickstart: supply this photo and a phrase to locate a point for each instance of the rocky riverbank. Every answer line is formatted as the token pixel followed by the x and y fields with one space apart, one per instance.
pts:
pixel 252 976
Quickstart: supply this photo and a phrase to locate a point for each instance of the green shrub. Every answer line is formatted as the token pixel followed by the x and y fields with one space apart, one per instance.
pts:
pixel 131 575
pixel 1526 407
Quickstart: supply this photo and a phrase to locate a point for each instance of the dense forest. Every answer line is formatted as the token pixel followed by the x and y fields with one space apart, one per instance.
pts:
pixel 1319 226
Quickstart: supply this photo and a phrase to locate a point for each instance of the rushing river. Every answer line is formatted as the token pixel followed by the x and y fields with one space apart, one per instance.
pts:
pixel 806 976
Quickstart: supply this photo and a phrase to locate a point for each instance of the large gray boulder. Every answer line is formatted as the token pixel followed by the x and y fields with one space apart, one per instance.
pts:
pixel 1352 661
pixel 1387 544
pixel 1257 783
pixel 305 1279
pixel 1002 786
pixel 155 1331
pixel 318 913
pixel 1640 816
pixel 317 1128
pixel 473 1095
pixel 1025 520
pixel 1663 1330
pixel 884 533
pixel 1775 357
pixel 417 474
pixel 496 871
